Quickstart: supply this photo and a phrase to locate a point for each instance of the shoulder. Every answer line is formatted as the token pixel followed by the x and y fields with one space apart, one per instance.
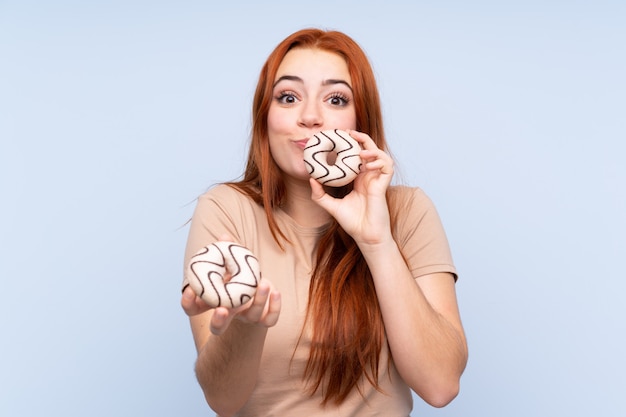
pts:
pixel 412 210
pixel 402 197
pixel 419 232
pixel 223 210
pixel 224 195
pixel 223 201
pixel 222 192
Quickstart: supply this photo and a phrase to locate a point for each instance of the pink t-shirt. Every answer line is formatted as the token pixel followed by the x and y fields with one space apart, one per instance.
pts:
pixel 280 390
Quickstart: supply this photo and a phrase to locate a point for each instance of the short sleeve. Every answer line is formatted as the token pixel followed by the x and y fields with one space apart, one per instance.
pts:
pixel 218 212
pixel 420 234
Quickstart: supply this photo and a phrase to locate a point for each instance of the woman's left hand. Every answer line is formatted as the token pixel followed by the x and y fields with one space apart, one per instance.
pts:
pixel 363 213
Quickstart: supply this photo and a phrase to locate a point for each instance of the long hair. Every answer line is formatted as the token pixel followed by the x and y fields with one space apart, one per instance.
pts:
pixel 343 314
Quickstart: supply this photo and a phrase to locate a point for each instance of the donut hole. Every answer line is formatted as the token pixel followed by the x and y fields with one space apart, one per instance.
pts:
pixel 331 157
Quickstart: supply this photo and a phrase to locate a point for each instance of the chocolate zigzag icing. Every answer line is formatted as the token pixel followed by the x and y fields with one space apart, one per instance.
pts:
pixel 351 154
pixel 209 266
pixel 347 162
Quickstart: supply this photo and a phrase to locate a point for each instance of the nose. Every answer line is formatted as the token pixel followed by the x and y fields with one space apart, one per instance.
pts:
pixel 311 116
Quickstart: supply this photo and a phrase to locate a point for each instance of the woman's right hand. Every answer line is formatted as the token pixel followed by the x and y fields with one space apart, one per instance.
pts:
pixel 263 310
pixel 230 342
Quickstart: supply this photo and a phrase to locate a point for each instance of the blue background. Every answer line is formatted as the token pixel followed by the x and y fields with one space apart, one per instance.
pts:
pixel 115 115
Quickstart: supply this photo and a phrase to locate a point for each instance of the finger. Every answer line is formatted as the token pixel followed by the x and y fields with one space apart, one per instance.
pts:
pixel 377 160
pixel 316 187
pixel 319 196
pixel 191 303
pixel 273 311
pixel 375 153
pixel 380 164
pixel 220 320
pixel 187 301
pixel 317 191
pixel 364 139
pixel 257 308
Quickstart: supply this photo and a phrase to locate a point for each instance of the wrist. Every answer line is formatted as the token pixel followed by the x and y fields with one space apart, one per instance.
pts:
pixel 379 246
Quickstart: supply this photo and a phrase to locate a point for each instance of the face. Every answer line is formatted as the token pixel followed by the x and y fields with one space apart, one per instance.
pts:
pixel 312 92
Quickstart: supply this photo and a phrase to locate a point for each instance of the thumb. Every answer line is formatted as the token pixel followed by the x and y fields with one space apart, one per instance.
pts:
pixel 317 191
pixel 191 303
pixel 323 199
pixel 318 194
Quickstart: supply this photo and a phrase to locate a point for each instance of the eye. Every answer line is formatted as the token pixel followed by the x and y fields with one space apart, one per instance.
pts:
pixel 338 99
pixel 286 97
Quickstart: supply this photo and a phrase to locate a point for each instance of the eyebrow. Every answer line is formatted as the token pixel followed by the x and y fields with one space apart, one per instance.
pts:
pixel 300 80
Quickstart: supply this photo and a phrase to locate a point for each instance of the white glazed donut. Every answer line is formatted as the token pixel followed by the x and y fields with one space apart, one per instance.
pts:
pixel 333 143
pixel 207 268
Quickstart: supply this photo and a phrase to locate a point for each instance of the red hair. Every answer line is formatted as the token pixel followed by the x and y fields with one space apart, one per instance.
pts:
pixel 343 314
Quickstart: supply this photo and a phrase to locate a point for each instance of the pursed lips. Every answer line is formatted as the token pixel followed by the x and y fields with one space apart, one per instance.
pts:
pixel 301 143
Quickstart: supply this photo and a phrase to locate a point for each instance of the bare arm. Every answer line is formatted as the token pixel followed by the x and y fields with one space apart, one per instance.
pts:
pixel 422 322
pixel 230 345
pixel 421 318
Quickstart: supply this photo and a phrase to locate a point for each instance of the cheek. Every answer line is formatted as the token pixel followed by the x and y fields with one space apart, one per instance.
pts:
pixel 353 118
pixel 345 120
pixel 271 119
pixel 353 122
pixel 277 120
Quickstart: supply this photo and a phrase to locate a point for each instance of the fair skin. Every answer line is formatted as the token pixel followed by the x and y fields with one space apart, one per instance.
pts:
pixel 312 92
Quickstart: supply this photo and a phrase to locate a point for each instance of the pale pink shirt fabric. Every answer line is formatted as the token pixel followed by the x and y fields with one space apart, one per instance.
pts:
pixel 280 390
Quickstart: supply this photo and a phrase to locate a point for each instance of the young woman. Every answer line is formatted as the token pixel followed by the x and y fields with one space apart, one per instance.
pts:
pixel 357 304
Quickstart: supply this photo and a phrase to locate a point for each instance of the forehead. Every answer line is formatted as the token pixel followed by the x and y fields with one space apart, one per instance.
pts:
pixel 313 64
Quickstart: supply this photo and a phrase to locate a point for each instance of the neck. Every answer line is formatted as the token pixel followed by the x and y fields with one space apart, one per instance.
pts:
pixel 299 206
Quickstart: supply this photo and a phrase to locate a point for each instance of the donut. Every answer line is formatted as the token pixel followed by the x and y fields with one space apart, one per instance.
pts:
pixel 332 157
pixel 207 269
